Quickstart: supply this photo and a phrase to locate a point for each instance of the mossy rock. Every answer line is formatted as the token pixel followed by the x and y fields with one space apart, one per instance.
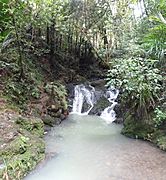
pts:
pixel 101 104
pixel 51 121
pixel 58 94
pixel 162 142
pixel 139 129
pixel 33 125
pixel 21 156
pixel 24 151
pixel 159 138
pixel 136 129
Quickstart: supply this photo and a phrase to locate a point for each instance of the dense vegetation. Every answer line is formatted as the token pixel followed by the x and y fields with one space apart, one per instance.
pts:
pixel 47 43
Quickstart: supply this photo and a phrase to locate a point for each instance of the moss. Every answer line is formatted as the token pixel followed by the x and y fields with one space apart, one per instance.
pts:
pixel 33 125
pixel 101 104
pixel 136 129
pixel 158 137
pixel 141 130
pixel 21 156
pixel 25 151
pixel 51 121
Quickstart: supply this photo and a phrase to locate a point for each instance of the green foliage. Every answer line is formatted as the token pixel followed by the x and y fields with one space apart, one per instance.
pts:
pixel 160 116
pixel 155 41
pixel 58 91
pixel 21 92
pixel 4 18
pixel 21 156
pixel 56 88
pixel 138 79
pixel 34 125
pixel 152 29
pixel 35 93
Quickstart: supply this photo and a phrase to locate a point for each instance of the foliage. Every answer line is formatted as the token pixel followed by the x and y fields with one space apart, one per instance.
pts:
pixel 153 29
pixel 21 155
pixel 55 89
pixel 139 80
pixel 21 92
pixel 155 40
pixel 160 116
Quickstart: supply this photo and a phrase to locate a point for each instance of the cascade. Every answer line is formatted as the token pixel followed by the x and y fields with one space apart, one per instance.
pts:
pixel 109 114
pixel 82 95
pixel 87 96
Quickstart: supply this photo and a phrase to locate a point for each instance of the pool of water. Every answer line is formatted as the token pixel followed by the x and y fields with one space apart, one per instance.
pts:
pixel 86 148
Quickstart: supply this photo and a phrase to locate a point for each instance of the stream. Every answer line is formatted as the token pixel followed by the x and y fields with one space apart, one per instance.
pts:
pixel 87 148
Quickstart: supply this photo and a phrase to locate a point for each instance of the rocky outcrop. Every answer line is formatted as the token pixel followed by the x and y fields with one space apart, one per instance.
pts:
pixel 100 105
pixel 52 105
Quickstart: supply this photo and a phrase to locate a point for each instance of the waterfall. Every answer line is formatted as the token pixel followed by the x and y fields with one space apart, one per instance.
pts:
pixel 86 97
pixel 82 95
pixel 109 114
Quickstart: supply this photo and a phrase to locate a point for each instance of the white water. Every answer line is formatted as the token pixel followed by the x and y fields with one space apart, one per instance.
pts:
pixel 81 95
pixel 109 114
pixel 87 95
pixel 86 148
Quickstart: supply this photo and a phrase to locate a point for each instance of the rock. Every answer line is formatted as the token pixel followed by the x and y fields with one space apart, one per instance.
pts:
pixel 48 120
pixel 99 84
pixel 23 147
pixel 62 117
pixel 54 108
pixel 58 121
pixel 51 121
pixel 118 110
pixel 119 121
pixel 101 104
pixel 136 129
pixel 33 125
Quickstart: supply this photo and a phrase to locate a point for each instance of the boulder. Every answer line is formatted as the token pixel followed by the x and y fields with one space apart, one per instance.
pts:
pixel 100 105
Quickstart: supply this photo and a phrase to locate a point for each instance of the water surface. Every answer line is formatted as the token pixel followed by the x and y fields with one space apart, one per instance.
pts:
pixel 86 148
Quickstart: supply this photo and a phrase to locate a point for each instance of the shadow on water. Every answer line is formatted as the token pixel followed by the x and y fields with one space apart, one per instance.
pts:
pixel 86 148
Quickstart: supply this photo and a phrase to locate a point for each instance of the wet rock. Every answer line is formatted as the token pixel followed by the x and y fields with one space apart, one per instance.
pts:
pixel 62 117
pixel 51 121
pixel 118 110
pixel 101 104
pixel 119 121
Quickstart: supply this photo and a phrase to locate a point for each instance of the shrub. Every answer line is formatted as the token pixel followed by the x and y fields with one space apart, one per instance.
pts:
pixel 138 79
pixel 160 116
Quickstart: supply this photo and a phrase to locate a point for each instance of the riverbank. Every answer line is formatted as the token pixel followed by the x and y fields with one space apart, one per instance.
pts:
pixel 21 143
pixel 147 132
pixel 22 129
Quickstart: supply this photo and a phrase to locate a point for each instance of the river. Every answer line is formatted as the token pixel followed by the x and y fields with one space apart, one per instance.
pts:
pixel 86 148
